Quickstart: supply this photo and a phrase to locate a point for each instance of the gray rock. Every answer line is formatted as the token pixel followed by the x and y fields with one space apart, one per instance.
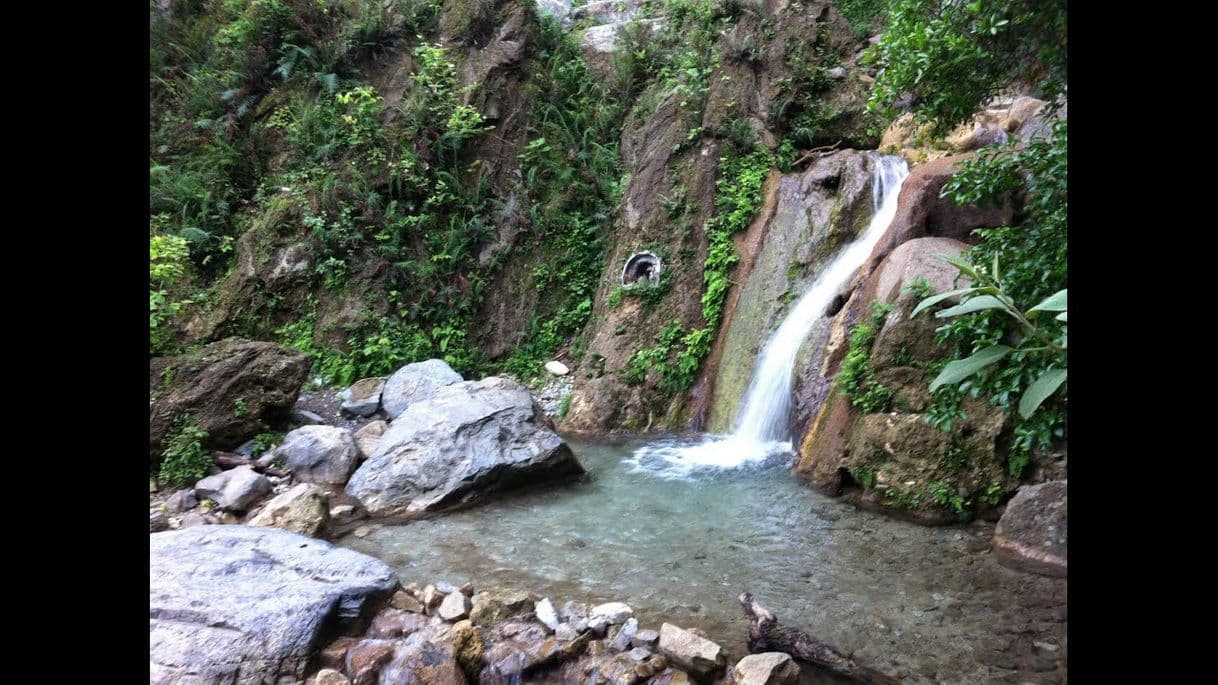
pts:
pixel 545 613
pixel 559 9
pixel 836 73
pixel 157 521
pixel 471 439
pixel 455 607
pixel 239 604
pixel 557 368
pixel 407 602
pixel 1031 535
pixel 639 654
pixel 195 519
pixel 446 587
pixel 415 383
pixel 572 611
pixel 319 454
pixel 621 641
pixel 565 632
pixel 305 417
pixel 767 668
pixel 368 437
pixel 598 625
pixel 236 489
pixel 690 652
pixel 646 638
pixel 342 511
pixel 303 509
pixel 180 501
pixel 363 398
pixel 614 613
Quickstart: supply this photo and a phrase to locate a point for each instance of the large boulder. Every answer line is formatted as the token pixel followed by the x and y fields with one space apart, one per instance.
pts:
pixel 238 604
pixel 1031 535
pixel 233 389
pixel 304 509
pixel 470 439
pixel 415 383
pixel 691 652
pixel 319 454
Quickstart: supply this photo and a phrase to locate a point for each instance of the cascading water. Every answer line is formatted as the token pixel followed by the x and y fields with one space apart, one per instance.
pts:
pixel 762 424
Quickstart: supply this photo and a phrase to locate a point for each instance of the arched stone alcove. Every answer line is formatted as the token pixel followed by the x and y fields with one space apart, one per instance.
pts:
pixel 642 268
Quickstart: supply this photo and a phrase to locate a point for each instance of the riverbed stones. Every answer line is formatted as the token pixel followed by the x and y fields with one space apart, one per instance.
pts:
pixel 363 398
pixel 233 390
pixel 614 613
pixel 303 509
pixel 565 631
pixel 544 610
pixel 690 652
pixel 406 602
pixel 431 598
pixel 415 383
pixel 248 604
pixel 767 668
pixel 236 489
pixel 329 676
pixel 1031 535
pixel 621 640
pixel 368 437
pixel 646 638
pixel 492 606
pixel 469 440
pixel 455 606
pixel 319 454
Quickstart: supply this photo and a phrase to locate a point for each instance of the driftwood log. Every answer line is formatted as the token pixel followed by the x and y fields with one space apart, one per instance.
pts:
pixel 765 635
pixel 228 460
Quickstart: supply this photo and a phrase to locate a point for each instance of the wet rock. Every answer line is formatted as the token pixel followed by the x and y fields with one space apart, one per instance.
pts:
pixel 366 658
pixel 406 602
pixel 329 676
pixel 362 532
pixel 246 604
pixel 319 454
pixel 545 613
pixel 304 509
pixel 236 489
pixel 368 437
pixel 233 389
pixel 394 622
pixel 431 598
pixel 180 501
pixel 470 439
pixel 415 383
pixel 557 368
pixel 621 641
pixel 157 521
pixel 494 606
pixel 1031 535
pixel 646 638
pixel 455 607
pixel 767 668
pixel 469 646
pixel 446 587
pixel 363 398
pixel 690 652
pixel 639 654
pixel 334 655
pixel 614 613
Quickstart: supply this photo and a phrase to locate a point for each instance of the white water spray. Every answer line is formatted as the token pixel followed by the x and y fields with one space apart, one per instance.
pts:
pixel 762 424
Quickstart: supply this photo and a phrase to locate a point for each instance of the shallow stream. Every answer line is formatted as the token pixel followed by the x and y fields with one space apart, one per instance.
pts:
pixel 679 544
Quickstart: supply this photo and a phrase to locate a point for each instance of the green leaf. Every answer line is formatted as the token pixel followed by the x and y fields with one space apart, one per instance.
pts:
pixel 1054 303
pixel 1040 391
pixel 960 369
pixel 936 299
pixel 974 304
pixel 962 265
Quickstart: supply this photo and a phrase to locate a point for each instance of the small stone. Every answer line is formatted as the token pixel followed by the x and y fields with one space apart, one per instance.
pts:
pixel 836 73
pixel 571 612
pixel 431 598
pixel 598 625
pixel 639 654
pixel 645 638
pixel 342 511
pixel 157 521
pixel 767 668
pixel 406 602
pixel 236 489
pixel 455 607
pixel 329 676
pixel 368 437
pixel 621 641
pixel 557 368
pixel 544 610
pixel 614 613
pixel 363 398
pixel 691 652
pixel 307 418
pixel 1047 646
pixel 446 587
pixel 194 519
pixel 565 632
pixel 362 532
pixel 180 501
pixel 467 588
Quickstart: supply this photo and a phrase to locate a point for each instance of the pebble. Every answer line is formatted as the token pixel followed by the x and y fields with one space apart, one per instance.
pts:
pixel 362 532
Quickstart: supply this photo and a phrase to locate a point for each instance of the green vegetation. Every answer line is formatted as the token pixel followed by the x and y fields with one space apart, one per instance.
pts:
pixel 950 59
pixel 265 441
pixel 167 263
pixel 564 405
pixel 185 461
pixel 857 379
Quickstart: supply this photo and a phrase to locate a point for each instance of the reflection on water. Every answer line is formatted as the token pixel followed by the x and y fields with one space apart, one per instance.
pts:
pixel 678 539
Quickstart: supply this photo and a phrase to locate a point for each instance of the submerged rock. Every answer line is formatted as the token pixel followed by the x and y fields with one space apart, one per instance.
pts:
pixel 1031 535
pixel 244 604
pixel 415 383
pixel 470 439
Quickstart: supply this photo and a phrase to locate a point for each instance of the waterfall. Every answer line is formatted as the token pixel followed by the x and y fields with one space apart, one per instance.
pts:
pixel 763 422
pixel 765 414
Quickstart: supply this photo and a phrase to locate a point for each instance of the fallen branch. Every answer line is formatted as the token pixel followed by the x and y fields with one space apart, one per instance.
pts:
pixel 229 460
pixel 815 152
pixel 765 635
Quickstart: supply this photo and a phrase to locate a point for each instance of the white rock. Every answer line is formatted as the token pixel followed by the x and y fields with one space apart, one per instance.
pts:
pixel 613 613
pixel 546 614
pixel 557 368
pixel 455 607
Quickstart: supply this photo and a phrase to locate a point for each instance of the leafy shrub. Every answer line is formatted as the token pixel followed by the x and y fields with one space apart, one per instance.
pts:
pixel 184 461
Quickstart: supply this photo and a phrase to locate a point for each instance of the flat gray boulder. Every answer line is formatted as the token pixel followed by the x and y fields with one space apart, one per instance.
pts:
pixel 471 439
pixel 235 489
pixel 238 604
pixel 415 383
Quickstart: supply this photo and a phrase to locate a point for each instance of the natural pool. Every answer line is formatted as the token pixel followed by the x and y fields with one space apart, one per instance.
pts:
pixel 926 604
